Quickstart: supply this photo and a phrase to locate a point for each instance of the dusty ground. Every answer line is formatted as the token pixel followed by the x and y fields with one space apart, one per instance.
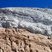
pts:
pixel 23 41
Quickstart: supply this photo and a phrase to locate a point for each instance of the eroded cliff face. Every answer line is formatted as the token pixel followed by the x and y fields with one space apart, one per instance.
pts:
pixel 25 29
pixel 12 40
pixel 36 20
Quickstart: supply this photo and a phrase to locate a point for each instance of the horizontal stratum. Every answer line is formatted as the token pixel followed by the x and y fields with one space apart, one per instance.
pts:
pixel 24 29
pixel 35 20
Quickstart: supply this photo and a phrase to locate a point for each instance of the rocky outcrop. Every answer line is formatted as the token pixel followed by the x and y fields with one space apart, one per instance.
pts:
pixel 12 40
pixel 36 20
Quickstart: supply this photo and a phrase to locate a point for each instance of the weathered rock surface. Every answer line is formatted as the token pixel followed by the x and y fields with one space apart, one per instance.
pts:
pixel 23 41
pixel 36 20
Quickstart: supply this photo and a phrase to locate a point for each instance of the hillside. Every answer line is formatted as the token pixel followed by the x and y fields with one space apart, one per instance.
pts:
pixel 35 20
pixel 23 41
pixel 25 29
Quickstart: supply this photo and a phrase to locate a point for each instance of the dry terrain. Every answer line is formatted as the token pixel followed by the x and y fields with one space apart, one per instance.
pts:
pixel 12 40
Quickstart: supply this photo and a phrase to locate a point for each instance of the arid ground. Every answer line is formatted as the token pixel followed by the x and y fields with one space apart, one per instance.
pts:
pixel 12 40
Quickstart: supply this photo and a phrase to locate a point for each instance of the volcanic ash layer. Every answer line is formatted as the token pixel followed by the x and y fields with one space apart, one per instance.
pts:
pixel 12 40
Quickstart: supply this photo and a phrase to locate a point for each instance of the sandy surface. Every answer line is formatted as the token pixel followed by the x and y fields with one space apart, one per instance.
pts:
pixel 23 41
